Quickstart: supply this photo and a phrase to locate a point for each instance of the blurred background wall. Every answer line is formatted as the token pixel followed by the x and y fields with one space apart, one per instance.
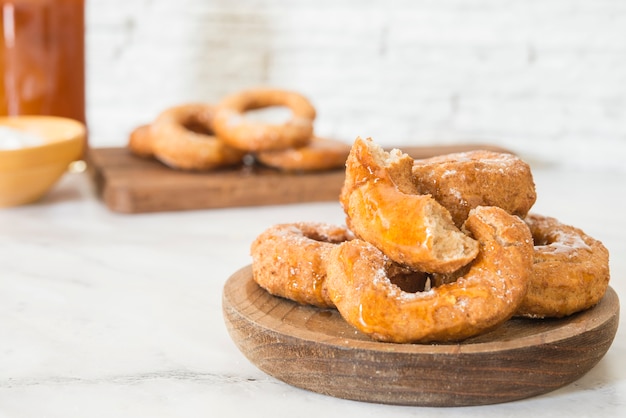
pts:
pixel 544 78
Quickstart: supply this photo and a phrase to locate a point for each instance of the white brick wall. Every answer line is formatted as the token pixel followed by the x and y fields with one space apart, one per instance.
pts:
pixel 545 78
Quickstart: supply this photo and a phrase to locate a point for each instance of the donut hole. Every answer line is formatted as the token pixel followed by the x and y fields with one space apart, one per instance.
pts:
pixel 409 281
pixel 558 240
pixel 197 124
pixel 325 236
pixel 542 238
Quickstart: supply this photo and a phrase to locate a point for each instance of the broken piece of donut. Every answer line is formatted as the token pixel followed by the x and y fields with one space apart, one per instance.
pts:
pixel 384 209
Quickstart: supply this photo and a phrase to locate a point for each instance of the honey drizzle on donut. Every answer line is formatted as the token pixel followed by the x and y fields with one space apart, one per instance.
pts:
pixel 359 285
pixel 383 208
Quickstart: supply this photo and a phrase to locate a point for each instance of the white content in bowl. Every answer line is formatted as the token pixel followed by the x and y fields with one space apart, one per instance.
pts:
pixel 15 139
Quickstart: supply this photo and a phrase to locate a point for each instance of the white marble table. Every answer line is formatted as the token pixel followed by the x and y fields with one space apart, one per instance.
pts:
pixel 110 315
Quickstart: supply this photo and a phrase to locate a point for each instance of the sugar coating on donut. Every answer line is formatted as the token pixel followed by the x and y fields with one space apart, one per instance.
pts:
pixel 411 275
pixel 289 260
pixel 550 236
pixel 570 270
pixel 462 181
pixel 360 284
pixel 233 127
pixel 383 207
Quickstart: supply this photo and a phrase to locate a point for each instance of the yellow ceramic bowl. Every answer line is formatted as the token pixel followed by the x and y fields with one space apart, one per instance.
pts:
pixel 28 173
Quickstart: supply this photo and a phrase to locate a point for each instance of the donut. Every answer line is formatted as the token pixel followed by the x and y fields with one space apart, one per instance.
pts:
pixel 462 181
pixel 570 270
pixel 319 154
pixel 359 285
pixel 183 138
pixel 289 260
pixel 383 208
pixel 236 130
pixel 140 141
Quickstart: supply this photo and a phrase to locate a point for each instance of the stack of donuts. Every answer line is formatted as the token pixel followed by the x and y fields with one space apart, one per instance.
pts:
pixel 202 137
pixel 434 250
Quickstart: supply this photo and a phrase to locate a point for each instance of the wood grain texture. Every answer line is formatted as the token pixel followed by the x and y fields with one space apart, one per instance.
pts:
pixel 129 184
pixel 315 349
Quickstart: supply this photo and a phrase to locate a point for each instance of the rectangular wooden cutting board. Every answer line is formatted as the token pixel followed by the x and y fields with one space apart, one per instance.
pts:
pixel 129 184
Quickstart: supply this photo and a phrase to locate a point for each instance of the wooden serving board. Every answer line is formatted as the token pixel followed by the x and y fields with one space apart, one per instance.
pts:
pixel 129 184
pixel 315 349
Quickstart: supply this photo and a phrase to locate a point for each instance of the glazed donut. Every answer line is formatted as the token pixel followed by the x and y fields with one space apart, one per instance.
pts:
pixel 359 285
pixel 289 260
pixel 319 154
pixel 384 209
pixel 232 127
pixel 462 181
pixel 570 271
pixel 140 141
pixel 182 138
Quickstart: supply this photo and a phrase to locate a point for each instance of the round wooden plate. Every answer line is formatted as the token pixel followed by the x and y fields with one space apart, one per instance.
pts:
pixel 315 349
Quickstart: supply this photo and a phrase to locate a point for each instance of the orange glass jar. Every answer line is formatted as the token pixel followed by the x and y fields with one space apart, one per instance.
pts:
pixel 42 58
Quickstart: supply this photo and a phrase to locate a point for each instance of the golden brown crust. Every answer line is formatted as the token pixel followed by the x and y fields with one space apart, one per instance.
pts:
pixel 462 181
pixel 570 270
pixel 382 208
pixel 319 154
pixel 182 138
pixel 289 260
pixel 405 279
pixel 140 141
pixel 233 128
pixel 489 294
